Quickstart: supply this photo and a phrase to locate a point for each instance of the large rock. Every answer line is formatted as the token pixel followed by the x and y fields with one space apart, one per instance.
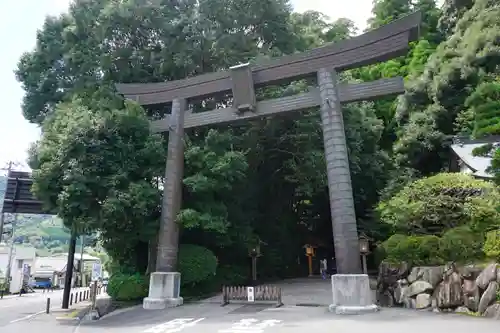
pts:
pixel 471 294
pixel 385 298
pixel 418 287
pixel 462 309
pixel 409 303
pixel 448 293
pixel 400 290
pixel 470 272
pixel 387 282
pixel 431 274
pixel 487 275
pixel 488 297
pixel 422 301
pixel 493 311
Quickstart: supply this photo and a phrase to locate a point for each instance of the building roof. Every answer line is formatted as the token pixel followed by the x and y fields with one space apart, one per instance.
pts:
pixel 463 148
pixel 57 264
pixel 86 257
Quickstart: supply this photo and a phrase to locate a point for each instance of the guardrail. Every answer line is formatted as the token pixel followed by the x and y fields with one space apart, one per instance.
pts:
pixel 252 295
pixel 84 294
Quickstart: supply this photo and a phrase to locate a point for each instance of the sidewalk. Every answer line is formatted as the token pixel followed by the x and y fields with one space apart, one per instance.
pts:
pixel 313 292
pixel 75 312
pixel 9 296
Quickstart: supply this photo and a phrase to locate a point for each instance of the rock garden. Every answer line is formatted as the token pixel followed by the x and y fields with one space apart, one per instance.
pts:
pixel 444 252
pixel 468 289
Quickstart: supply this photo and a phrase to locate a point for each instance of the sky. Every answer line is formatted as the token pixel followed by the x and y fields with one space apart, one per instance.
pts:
pixel 19 21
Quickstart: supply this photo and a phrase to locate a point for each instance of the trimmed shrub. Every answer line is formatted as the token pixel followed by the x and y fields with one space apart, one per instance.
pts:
pixel 491 247
pixel 128 287
pixel 436 204
pixel 461 245
pixel 196 264
pixel 416 250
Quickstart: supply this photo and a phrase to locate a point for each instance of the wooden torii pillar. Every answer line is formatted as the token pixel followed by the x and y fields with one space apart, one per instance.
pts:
pixel 351 293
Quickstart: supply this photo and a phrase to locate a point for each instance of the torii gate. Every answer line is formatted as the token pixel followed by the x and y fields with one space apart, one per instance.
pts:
pixel 351 292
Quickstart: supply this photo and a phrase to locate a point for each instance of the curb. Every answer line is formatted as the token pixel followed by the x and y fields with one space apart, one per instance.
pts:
pixel 75 315
pixel 120 311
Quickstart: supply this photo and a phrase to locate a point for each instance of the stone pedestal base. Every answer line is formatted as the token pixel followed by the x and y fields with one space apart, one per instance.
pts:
pixel 164 291
pixel 352 294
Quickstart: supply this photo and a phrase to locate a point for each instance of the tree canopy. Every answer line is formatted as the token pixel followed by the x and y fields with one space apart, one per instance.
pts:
pixel 100 169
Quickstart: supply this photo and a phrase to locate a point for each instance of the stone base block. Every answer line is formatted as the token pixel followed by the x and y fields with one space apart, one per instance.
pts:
pixel 161 303
pixel 352 294
pixel 92 315
pixel 164 291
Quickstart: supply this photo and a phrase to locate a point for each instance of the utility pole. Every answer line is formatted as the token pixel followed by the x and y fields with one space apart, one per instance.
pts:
pixel 11 251
pixel 82 241
pixel 69 270
pixel 9 168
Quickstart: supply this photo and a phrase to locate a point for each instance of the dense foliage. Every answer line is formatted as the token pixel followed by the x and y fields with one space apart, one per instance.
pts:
pixel 196 264
pixel 442 218
pixel 435 204
pixel 127 287
pixel 98 167
pixel 492 245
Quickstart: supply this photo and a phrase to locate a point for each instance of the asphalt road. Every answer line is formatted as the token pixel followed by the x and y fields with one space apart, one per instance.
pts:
pixel 14 309
pixel 211 318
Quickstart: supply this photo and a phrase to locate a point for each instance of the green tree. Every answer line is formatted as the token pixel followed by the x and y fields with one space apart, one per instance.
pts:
pixel 262 180
pixel 434 102
pixel 97 171
pixel 436 204
pixel 385 11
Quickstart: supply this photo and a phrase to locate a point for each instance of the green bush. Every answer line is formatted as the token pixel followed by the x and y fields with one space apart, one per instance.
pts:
pixel 196 264
pixel 461 245
pixel 128 287
pixel 233 275
pixel 436 204
pixel 491 247
pixel 416 250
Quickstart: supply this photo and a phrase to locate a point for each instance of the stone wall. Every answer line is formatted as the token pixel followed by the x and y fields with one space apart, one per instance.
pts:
pixel 450 288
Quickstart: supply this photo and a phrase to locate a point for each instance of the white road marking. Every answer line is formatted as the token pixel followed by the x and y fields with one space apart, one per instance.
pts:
pixel 250 326
pixel 174 326
pixel 26 317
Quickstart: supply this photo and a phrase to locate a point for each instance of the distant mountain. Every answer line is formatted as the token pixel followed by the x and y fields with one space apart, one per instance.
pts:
pixel 45 232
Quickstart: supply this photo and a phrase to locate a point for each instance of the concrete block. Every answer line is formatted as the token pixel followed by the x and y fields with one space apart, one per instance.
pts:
pixel 352 294
pixel 164 291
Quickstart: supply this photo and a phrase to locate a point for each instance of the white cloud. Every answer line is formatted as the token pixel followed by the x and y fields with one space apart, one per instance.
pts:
pixel 357 10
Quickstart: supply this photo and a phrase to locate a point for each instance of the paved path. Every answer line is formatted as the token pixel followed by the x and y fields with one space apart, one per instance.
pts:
pixel 303 292
pixel 209 318
pixel 21 308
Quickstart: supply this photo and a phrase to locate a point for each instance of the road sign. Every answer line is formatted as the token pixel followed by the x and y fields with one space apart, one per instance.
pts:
pixel 250 294
pixel 26 269
pixel 96 271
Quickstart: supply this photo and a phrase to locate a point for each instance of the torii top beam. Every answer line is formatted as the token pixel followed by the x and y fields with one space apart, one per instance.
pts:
pixel 384 43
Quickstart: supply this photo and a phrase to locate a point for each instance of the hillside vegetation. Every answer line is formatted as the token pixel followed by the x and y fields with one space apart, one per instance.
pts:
pixel 98 166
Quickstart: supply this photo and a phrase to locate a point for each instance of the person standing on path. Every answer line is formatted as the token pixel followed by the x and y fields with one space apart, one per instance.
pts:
pixel 323 268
